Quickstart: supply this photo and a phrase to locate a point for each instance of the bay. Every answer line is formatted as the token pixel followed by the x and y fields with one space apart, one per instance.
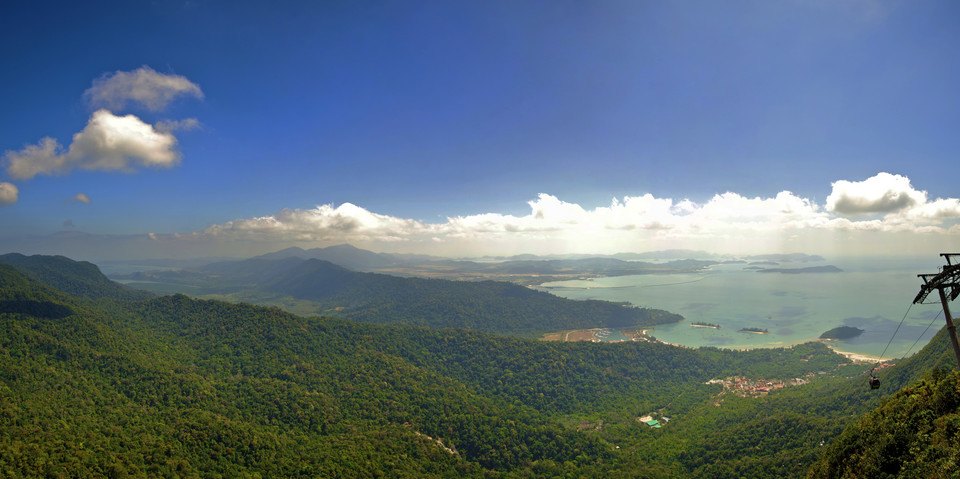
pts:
pixel 873 294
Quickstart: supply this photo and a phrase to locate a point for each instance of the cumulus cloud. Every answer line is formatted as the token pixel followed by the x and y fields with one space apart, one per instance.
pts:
pixel 938 209
pixel 631 223
pixel 8 193
pixel 143 86
pixel 883 193
pixel 324 223
pixel 79 198
pixel 108 143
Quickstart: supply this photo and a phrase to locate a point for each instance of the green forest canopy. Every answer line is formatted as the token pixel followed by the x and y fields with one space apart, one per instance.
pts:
pixel 179 386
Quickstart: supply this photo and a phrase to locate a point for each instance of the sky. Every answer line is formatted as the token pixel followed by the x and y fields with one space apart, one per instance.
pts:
pixel 465 128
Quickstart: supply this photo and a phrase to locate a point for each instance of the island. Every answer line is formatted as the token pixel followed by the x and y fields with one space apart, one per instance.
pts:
pixel 699 324
pixel 754 330
pixel 842 332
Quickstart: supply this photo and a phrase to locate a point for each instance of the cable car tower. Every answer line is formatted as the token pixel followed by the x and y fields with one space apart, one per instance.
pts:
pixel 947 283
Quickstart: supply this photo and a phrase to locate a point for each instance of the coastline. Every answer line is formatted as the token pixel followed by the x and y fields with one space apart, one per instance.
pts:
pixel 857 357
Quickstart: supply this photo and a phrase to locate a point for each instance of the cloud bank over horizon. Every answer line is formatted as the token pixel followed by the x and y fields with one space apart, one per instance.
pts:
pixel 727 223
pixel 883 206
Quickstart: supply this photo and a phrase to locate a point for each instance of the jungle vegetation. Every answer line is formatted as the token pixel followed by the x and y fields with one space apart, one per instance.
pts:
pixel 120 385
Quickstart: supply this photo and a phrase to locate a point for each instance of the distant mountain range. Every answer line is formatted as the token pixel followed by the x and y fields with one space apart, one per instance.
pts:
pixel 523 269
pixel 349 282
pixel 490 306
pixel 523 265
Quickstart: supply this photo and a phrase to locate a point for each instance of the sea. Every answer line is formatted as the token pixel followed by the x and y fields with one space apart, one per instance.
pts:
pixel 873 294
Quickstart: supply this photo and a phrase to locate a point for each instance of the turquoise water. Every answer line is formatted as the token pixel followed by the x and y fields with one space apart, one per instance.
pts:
pixel 611 335
pixel 872 295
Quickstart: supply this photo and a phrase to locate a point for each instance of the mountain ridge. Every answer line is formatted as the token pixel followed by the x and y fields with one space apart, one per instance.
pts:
pixel 79 278
pixel 208 387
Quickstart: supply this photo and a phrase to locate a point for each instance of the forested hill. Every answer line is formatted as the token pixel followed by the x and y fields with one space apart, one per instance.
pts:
pixel 915 433
pixel 785 433
pixel 78 278
pixel 181 387
pixel 489 306
pixel 21 295
pixel 175 386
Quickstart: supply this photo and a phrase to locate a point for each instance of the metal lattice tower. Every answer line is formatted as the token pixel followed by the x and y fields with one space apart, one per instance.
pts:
pixel 947 283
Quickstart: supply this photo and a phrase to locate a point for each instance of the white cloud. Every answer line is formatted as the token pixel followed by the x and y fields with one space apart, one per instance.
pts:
pixel 143 86
pixel 346 221
pixel 108 142
pixel 935 210
pixel 8 193
pixel 727 222
pixel 883 193
pixel 44 157
pixel 79 198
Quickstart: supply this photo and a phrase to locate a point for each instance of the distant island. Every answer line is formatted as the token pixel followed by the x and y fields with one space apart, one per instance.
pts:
pixel 812 269
pixel 754 330
pixel 842 332
pixel 699 324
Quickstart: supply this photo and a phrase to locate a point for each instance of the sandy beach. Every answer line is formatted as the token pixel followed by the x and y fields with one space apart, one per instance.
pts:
pixel 857 357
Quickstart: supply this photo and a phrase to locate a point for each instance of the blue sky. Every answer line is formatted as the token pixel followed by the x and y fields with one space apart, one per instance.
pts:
pixel 480 126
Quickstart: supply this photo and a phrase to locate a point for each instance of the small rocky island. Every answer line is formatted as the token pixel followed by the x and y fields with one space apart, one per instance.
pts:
pixel 842 332
pixel 754 330
pixel 699 324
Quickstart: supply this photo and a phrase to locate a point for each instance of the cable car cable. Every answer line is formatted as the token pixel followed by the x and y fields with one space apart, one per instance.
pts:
pixel 874 381
pixel 895 332
pixel 924 332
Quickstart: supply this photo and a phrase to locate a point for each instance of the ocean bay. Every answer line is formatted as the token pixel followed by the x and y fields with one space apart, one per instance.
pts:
pixel 872 295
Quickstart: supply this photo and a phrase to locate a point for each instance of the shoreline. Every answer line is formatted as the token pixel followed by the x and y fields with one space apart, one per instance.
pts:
pixel 857 357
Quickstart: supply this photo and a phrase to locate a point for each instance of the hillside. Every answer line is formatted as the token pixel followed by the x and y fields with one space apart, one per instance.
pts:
pixel 78 278
pixel 783 434
pixel 489 306
pixel 179 386
pixel 915 433
pixel 176 386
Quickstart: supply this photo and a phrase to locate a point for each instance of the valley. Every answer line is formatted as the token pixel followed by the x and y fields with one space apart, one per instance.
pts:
pixel 204 387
